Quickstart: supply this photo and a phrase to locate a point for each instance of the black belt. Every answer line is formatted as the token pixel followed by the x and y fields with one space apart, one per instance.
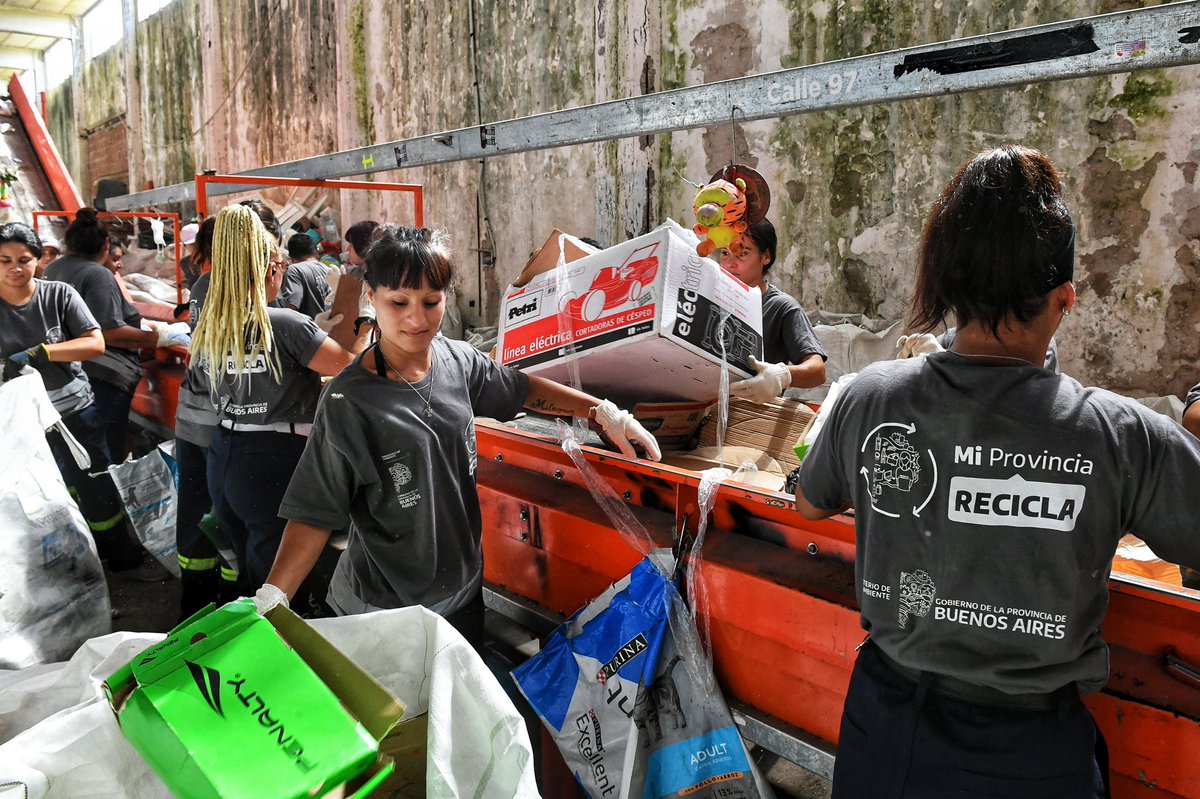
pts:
pixel 974 694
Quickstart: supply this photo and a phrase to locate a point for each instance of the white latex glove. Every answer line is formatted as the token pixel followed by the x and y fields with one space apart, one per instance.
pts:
pixel 917 344
pixel 332 276
pixel 327 322
pixel 621 428
pixel 769 383
pixel 178 334
pixel 365 306
pixel 268 597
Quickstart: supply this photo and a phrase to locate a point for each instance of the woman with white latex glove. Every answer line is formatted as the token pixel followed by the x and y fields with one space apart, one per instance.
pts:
pixel 792 355
pixel 391 458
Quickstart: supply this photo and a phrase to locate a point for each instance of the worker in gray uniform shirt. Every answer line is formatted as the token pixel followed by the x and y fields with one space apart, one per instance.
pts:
pixel 304 288
pixel 989 496
pixel 392 453
pixel 792 355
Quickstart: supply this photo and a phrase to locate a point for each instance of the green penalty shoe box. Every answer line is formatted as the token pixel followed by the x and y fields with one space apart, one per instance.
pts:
pixel 234 704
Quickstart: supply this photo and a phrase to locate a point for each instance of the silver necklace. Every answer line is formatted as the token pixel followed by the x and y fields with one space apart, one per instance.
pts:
pixel 1025 361
pixel 427 400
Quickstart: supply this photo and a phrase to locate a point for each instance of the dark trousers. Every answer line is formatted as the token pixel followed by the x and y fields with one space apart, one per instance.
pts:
pixel 469 621
pixel 900 739
pixel 198 558
pixel 94 490
pixel 113 404
pixel 248 474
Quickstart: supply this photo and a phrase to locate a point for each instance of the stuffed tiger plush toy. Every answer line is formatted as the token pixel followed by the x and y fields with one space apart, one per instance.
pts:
pixel 720 209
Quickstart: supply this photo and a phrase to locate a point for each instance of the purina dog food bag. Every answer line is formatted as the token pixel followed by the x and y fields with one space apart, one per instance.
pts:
pixel 631 701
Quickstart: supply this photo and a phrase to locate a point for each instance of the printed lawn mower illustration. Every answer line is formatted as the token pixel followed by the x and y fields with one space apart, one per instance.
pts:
pixel 614 286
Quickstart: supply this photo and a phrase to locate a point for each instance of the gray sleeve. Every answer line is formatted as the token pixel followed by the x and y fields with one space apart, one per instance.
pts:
pixel 800 338
pixel 103 298
pixel 822 478
pixel 1192 396
pixel 1160 516
pixel 298 336
pixel 77 319
pixel 498 392
pixel 323 484
pixel 291 293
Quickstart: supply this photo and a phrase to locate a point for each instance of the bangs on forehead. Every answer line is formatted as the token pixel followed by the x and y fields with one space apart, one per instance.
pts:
pixel 407 258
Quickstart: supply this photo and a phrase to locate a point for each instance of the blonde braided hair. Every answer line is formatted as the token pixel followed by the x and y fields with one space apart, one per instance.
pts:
pixel 235 309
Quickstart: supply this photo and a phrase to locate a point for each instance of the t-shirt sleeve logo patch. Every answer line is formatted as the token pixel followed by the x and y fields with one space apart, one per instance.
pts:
pixel 916 595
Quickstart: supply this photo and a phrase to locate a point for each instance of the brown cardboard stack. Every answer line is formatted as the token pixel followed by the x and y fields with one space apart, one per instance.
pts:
pixel 773 427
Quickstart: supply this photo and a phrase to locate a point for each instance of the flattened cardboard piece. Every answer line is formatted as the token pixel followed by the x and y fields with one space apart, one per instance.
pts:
pixel 229 706
pixel 673 424
pixel 647 317
pixel 546 256
pixel 345 302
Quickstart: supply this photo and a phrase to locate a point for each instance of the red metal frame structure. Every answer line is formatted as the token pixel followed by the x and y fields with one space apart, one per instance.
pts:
pixel 39 138
pixel 131 215
pixel 252 182
pixel 782 609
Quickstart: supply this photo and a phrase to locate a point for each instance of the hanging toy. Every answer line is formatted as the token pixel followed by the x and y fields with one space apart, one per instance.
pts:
pixel 720 209
pixel 160 240
pixel 735 198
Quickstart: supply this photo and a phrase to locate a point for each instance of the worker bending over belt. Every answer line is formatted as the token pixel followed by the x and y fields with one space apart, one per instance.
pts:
pixel 989 496
pixel 392 453
pixel 264 366
pixel 792 356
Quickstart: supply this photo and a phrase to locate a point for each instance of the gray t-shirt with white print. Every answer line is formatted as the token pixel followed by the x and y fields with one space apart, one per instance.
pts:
pixel 402 482
pixel 988 504
pixel 255 397
pixel 56 313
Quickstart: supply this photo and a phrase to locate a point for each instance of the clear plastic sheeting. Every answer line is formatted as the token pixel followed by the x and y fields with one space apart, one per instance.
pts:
pixel 622 518
pixel 59 739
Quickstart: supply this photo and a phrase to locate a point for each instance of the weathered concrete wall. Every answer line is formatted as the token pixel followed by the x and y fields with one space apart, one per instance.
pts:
pixel 168 144
pixel 851 188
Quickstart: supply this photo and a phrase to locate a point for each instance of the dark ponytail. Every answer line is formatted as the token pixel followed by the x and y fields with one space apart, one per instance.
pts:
pixel 86 236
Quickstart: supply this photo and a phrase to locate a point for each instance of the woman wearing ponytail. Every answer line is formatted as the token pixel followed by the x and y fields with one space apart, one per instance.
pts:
pixel 115 374
pixel 264 366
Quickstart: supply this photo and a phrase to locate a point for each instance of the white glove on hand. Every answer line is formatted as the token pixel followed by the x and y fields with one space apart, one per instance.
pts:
pixel 769 383
pixel 327 322
pixel 365 306
pixel 332 276
pixel 268 597
pixel 173 335
pixel 917 344
pixel 621 428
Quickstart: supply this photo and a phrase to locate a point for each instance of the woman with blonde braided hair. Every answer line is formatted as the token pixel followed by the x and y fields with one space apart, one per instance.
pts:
pixel 264 365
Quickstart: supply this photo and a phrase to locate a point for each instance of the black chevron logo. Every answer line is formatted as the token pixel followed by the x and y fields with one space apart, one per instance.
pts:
pixel 208 680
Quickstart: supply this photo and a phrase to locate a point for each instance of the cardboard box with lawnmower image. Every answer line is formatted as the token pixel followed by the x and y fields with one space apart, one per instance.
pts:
pixel 235 704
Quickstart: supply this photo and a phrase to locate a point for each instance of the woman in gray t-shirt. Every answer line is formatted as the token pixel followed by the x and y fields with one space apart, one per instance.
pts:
pixel 264 366
pixel 392 454
pixel 46 325
pixel 990 494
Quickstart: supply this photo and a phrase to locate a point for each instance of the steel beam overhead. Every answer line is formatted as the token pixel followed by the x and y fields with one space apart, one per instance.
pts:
pixel 18 58
pixel 34 23
pixel 1147 38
